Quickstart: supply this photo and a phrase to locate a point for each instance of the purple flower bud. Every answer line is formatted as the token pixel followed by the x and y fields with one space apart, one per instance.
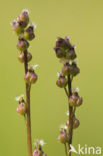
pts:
pixel 22 44
pixel 24 17
pixel 21 109
pixel 38 152
pixel 61 82
pixel 29 33
pixel 59 52
pixel 27 77
pixel 63 137
pixel 33 77
pixel 17 27
pixel 70 54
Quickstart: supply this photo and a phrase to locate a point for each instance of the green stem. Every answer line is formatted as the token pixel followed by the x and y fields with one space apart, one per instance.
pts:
pixel 28 119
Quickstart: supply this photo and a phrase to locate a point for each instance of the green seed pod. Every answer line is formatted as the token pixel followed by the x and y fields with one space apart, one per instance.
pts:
pixel 22 45
pixel 21 57
pixel 29 33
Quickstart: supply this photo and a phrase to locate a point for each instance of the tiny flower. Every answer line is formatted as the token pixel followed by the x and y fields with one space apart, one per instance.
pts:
pixel 75 90
pixel 21 109
pixel 38 152
pixel 19 98
pixel 63 127
pixel 22 44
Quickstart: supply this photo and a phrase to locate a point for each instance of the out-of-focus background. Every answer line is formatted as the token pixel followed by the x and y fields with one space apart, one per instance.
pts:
pixel 83 22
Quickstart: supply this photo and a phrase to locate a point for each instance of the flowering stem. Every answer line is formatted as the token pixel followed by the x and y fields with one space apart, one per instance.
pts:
pixel 28 120
pixel 70 114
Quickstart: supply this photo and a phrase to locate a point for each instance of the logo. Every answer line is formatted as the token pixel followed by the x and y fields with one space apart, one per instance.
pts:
pixel 84 150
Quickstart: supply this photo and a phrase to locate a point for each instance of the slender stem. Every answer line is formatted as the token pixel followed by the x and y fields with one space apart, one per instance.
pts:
pixel 66 92
pixel 70 114
pixel 66 150
pixel 28 120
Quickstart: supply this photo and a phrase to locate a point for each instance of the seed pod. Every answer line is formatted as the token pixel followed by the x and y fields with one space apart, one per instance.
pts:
pixel 29 33
pixel 21 109
pixel 75 69
pixel 63 137
pixel 59 52
pixel 27 77
pixel 22 45
pixel 24 17
pixel 76 123
pixel 21 57
pixel 38 152
pixel 79 101
pixel 73 99
pixel 33 77
pixel 29 57
pixel 62 43
pixel 61 82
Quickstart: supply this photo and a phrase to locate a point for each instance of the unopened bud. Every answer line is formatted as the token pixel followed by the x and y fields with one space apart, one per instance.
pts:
pixel 79 101
pixel 38 152
pixel 24 17
pixel 22 44
pixel 70 54
pixel 21 109
pixel 27 77
pixel 21 57
pixel 33 77
pixel 17 27
pixel 63 137
pixel 59 52
pixel 29 33
pixel 76 123
pixel 73 99
pixel 61 82
pixel 29 56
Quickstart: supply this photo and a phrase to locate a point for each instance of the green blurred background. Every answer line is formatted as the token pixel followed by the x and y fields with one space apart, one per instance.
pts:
pixel 82 20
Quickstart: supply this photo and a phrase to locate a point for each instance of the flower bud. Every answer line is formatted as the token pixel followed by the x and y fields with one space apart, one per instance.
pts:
pixel 76 123
pixel 38 152
pixel 75 69
pixel 79 101
pixel 66 70
pixel 29 56
pixel 29 33
pixel 59 52
pixel 63 137
pixel 27 77
pixel 22 44
pixel 33 77
pixel 21 109
pixel 17 27
pixel 73 99
pixel 21 57
pixel 61 82
pixel 60 42
pixel 24 17
pixel 70 54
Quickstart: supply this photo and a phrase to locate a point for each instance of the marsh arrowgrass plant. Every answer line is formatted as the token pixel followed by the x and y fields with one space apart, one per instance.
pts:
pixel 65 51
pixel 25 33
